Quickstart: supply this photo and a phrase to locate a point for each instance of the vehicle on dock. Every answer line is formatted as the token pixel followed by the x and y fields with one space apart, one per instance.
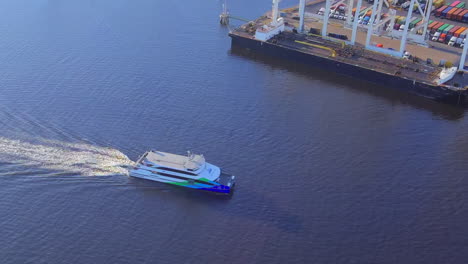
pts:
pixel 406 5
pixel 366 20
pixel 452 41
pixel 191 171
pixel 321 11
pixel 459 42
pixel 442 37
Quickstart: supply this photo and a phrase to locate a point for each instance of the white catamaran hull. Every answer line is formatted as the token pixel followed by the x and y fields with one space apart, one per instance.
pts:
pixel 204 176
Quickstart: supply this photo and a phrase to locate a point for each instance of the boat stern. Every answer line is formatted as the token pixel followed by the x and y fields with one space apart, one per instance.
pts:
pixel 225 184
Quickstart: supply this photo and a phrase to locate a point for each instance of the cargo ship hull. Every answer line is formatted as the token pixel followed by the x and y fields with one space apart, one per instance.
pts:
pixel 433 92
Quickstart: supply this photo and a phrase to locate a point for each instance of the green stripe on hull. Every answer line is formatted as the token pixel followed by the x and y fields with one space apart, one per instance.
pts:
pixel 180 183
pixel 188 184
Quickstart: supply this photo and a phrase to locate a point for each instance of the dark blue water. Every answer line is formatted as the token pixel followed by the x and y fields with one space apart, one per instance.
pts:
pixel 329 169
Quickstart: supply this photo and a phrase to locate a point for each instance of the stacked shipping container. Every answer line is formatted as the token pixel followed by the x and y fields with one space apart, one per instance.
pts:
pixel 454 11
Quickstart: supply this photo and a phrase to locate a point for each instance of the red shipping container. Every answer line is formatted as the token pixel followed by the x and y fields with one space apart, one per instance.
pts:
pixel 460 16
pixel 455 3
pixel 438 12
pixel 456 13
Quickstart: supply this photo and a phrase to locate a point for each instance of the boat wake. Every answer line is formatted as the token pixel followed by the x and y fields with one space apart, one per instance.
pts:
pixel 62 157
pixel 31 146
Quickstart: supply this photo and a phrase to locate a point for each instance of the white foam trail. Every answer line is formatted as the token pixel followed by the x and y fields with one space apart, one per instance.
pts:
pixel 75 158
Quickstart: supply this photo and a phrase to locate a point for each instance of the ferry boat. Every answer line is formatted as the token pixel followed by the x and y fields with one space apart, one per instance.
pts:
pixel 190 171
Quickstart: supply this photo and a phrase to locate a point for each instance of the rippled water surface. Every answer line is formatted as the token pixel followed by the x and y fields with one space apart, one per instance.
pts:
pixel 329 169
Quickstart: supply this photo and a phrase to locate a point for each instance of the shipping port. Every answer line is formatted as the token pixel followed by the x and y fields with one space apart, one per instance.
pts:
pixel 415 46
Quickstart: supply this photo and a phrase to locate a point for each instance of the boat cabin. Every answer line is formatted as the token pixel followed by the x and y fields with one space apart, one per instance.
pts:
pixel 192 163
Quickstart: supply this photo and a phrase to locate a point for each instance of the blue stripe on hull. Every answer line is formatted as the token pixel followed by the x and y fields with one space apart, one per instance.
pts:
pixel 202 187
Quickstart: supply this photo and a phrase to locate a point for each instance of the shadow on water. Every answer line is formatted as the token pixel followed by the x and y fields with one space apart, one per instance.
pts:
pixel 243 204
pixel 448 112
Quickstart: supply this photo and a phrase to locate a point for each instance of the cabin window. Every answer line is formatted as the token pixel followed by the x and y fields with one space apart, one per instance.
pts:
pixel 178 171
pixel 183 178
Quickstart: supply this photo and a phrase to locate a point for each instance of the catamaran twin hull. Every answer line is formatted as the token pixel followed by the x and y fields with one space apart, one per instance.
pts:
pixel 185 171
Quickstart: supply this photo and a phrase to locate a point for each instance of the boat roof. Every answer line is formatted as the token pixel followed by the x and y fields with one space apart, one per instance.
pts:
pixel 190 162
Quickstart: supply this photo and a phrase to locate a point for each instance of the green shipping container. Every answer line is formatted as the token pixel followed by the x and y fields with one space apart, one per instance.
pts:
pixel 443 27
pixel 414 22
pixel 447 29
pixel 460 5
